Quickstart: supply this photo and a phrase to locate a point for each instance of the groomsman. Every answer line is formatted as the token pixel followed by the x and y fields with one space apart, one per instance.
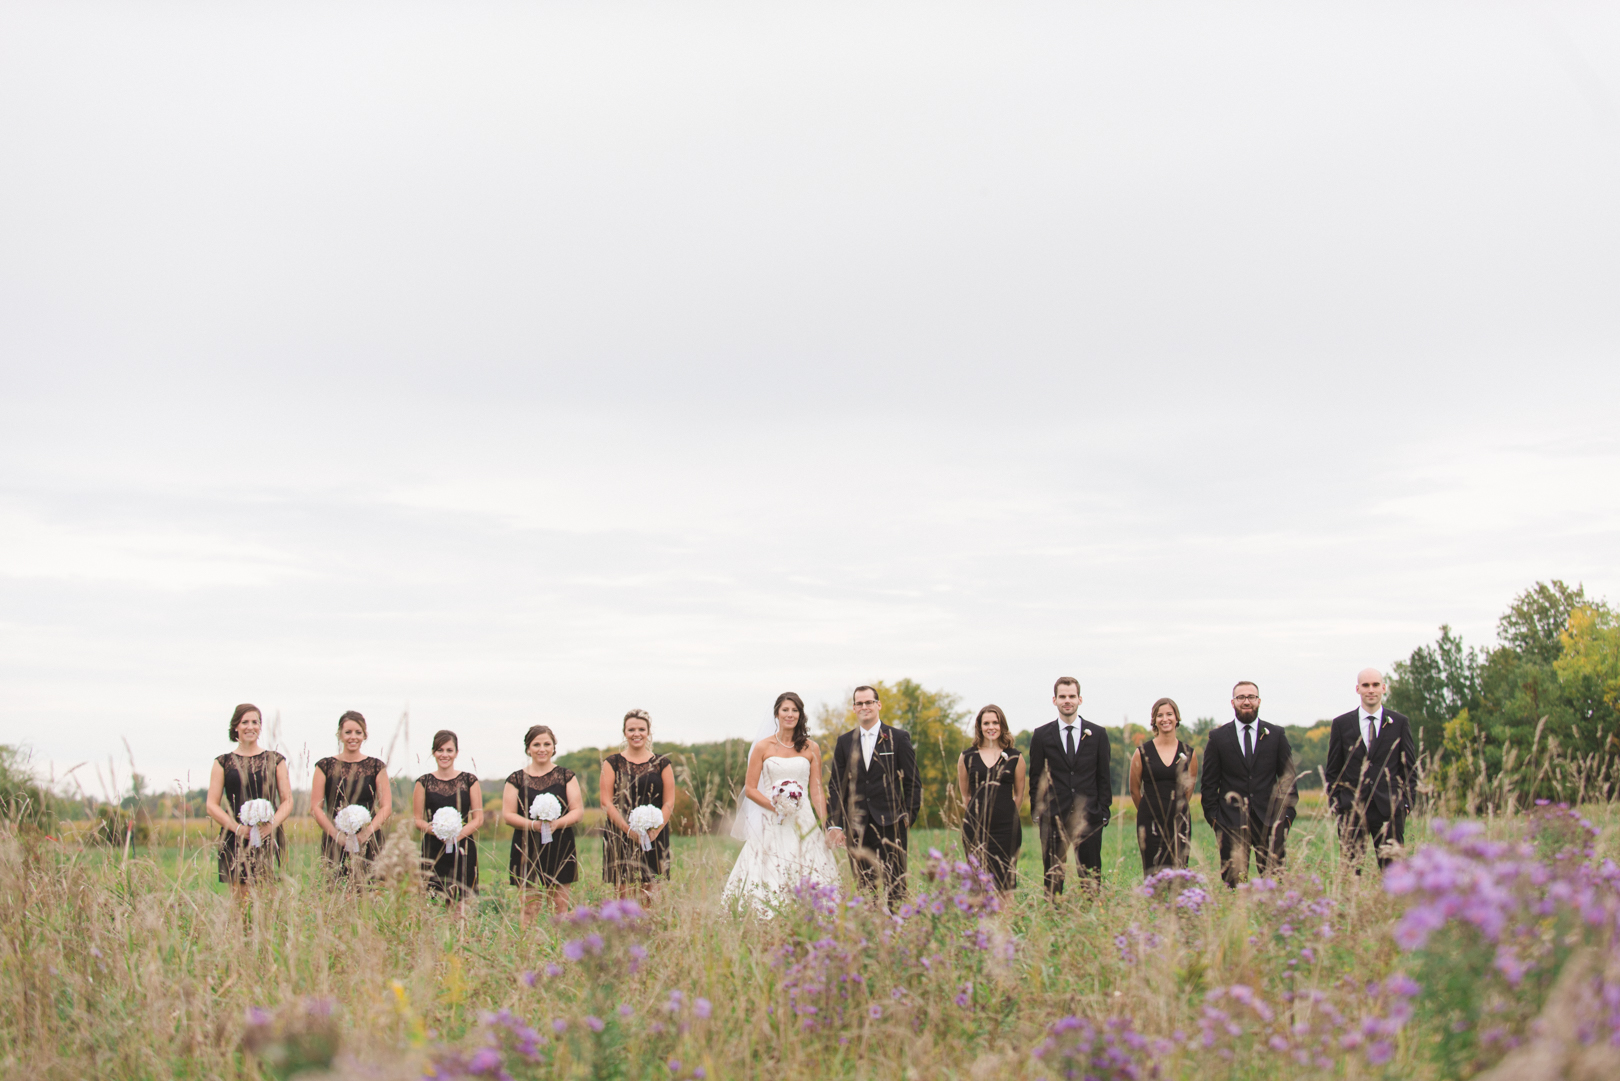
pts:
pixel 1071 794
pixel 1370 763
pixel 873 797
pixel 1248 788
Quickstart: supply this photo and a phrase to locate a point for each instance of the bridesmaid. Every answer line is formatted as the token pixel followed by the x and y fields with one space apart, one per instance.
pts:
pixel 635 777
pixel 539 866
pixel 341 781
pixel 1161 783
pixel 247 773
pixel 455 875
pixel 992 777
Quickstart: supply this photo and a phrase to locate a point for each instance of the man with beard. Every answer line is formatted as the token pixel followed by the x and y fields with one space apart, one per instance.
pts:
pixel 1248 788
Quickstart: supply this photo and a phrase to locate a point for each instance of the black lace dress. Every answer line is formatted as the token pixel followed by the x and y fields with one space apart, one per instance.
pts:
pixel 991 830
pixel 454 875
pixel 1164 821
pixel 349 783
pixel 250 777
pixel 635 784
pixel 534 864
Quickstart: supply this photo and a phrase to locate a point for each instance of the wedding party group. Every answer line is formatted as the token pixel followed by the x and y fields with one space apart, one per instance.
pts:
pixel 351 799
pixel 792 824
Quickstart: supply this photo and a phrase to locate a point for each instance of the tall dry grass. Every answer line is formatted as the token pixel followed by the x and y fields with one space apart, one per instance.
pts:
pixel 144 967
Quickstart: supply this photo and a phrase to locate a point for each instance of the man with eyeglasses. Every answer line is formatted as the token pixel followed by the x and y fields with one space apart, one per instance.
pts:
pixel 873 797
pixel 1371 761
pixel 1248 788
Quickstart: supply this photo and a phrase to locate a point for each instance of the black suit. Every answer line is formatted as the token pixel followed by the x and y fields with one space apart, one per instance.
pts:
pixel 1249 801
pixel 1070 798
pixel 875 806
pixel 1370 788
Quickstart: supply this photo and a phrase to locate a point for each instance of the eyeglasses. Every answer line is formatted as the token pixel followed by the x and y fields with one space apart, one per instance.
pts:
pixel 1246 698
pixel 863 704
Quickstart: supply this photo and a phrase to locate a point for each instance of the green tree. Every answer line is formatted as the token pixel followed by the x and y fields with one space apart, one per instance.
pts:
pixel 23 799
pixel 1530 717
pixel 1534 625
pixel 1435 684
pixel 938 727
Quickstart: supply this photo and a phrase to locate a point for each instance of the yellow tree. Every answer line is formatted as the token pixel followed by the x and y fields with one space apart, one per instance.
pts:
pixel 938 728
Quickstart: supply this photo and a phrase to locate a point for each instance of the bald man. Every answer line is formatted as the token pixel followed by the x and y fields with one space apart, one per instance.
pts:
pixel 1371 764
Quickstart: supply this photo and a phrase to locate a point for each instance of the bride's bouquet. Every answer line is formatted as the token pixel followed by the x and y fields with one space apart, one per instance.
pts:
pixel 256 813
pixel 545 810
pixel 786 796
pixel 349 822
pixel 641 820
pixel 446 824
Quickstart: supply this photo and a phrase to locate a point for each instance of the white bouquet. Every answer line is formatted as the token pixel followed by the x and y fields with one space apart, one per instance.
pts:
pixel 644 818
pixel 349 822
pixel 545 810
pixel 786 795
pixel 256 813
pixel 446 824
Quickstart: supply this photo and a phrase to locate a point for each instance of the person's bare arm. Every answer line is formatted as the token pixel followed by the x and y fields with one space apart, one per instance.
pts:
pixel 1020 781
pixel 756 762
pixel 476 817
pixel 818 798
pixel 576 806
pixel 419 808
pixel 509 808
pixel 284 808
pixel 1136 778
pixel 962 780
pixel 216 811
pixel 317 804
pixel 385 806
pixel 667 776
pixel 604 794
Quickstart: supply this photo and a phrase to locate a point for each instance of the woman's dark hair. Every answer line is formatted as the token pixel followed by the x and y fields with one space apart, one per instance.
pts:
pixel 1154 713
pixel 242 711
pixel 354 716
pixel 443 736
pixel 1004 741
pixel 801 731
pixel 538 730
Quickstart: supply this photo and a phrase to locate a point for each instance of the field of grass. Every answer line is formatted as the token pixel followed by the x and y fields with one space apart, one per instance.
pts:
pixel 144 967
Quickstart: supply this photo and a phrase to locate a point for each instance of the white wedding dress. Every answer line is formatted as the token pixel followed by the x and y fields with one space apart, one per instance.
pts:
pixel 777 856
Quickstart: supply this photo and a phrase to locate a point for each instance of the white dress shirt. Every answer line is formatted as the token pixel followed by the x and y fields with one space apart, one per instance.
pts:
pixel 869 743
pixel 1071 736
pixel 1368 719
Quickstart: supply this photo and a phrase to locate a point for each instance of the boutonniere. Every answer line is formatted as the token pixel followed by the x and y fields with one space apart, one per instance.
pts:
pixel 1262 735
pixel 1181 756
pixel 1084 732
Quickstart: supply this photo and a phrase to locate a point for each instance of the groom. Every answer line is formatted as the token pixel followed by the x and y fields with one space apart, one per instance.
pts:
pixel 873 797
pixel 1071 791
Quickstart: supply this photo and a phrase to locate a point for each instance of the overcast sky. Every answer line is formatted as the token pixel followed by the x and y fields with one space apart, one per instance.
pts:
pixel 528 363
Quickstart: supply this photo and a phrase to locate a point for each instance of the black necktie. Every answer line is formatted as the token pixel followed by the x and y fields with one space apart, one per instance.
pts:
pixel 1068 736
pixel 1248 748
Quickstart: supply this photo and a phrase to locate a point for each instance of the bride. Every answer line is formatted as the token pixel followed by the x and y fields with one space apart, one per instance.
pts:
pixel 783 843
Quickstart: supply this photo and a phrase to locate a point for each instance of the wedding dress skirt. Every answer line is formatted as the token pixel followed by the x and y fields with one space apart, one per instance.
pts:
pixel 777 856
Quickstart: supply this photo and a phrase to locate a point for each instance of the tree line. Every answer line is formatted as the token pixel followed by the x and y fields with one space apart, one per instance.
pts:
pixel 1536 714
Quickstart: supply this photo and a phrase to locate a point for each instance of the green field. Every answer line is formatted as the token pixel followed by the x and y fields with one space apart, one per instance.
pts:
pixel 146 968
